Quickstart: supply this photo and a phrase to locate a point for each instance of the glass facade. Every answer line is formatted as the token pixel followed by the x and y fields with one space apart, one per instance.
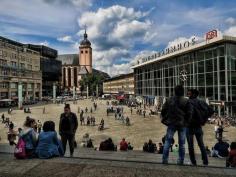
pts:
pixel 211 70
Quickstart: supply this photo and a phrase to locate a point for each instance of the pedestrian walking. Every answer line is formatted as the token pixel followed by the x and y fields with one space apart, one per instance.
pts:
pixel 39 126
pixel 44 110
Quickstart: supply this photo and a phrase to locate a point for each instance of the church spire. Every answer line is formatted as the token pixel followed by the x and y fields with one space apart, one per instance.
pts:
pixel 85 41
pixel 85 34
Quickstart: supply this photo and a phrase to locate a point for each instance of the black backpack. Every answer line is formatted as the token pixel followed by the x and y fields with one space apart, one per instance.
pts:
pixel 201 112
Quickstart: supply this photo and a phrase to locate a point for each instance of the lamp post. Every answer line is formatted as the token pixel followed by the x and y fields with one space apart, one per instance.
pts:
pixel 74 93
pixel 87 92
pixel 54 92
pixel 19 95
pixel 97 90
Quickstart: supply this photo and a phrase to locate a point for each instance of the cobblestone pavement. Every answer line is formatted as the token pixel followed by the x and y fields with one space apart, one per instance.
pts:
pixel 141 129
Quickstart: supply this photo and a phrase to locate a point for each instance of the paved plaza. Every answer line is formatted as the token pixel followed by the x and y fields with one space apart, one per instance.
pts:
pixel 141 129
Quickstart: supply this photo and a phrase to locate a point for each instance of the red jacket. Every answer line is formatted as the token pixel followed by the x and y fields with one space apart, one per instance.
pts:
pixel 232 158
pixel 123 146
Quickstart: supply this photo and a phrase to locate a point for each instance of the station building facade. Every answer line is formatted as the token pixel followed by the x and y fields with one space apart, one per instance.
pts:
pixel 208 65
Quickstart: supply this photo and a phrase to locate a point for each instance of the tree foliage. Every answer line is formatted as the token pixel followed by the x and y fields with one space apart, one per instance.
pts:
pixel 92 81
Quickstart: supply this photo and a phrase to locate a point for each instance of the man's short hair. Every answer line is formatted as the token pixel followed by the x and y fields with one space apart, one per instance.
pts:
pixel 179 90
pixel 233 146
pixel 195 93
pixel 67 106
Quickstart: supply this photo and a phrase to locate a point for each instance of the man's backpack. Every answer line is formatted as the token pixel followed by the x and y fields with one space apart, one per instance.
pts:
pixel 201 112
pixel 19 151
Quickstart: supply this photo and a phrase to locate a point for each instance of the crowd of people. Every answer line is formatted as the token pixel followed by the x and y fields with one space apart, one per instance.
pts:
pixel 179 114
pixel 85 119
pixel 108 145
pixel 118 113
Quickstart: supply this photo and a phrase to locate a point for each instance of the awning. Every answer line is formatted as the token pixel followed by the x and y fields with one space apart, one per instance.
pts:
pixel 6 100
pixel 120 97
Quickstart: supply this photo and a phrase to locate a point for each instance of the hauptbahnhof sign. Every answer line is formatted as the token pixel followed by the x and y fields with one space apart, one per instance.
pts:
pixel 209 35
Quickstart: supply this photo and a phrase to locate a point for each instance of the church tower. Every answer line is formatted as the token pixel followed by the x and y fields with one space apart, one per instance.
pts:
pixel 85 53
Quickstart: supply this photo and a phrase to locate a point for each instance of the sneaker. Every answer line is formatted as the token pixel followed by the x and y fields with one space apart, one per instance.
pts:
pixel 165 162
pixel 71 155
pixel 180 162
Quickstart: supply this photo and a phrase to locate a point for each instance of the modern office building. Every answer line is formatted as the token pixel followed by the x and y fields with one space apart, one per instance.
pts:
pixel 208 65
pixel 123 83
pixel 50 67
pixel 19 65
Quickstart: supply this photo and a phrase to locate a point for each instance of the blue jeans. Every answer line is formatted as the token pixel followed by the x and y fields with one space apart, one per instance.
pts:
pixel 169 135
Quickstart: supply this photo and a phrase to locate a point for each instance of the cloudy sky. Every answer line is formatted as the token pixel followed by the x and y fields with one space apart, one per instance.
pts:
pixel 120 30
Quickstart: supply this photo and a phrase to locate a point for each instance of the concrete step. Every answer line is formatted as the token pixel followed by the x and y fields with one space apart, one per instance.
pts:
pixel 131 156
pixel 76 167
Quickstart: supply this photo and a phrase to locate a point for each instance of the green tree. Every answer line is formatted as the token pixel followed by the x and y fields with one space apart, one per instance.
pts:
pixel 92 81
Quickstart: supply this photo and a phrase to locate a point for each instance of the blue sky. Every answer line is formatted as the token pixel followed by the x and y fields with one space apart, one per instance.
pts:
pixel 120 30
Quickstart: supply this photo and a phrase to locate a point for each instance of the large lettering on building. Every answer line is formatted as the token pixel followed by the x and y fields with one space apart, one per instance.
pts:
pixel 170 50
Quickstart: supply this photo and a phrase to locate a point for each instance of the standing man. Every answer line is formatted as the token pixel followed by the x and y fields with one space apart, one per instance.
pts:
pixel 44 110
pixel 39 126
pixel 3 118
pixel 67 128
pixel 175 115
pixel 201 113
pixel 144 113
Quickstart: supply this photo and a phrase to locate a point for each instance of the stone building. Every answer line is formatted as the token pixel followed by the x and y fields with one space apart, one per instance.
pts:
pixel 19 65
pixel 50 67
pixel 123 83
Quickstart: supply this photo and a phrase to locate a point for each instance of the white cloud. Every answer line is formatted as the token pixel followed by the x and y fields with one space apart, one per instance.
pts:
pixel 45 43
pixel 108 57
pixel 79 4
pixel 76 45
pixel 116 69
pixel 36 17
pixel 65 39
pixel 203 16
pixel 230 21
pixel 231 31
pixel 113 32
pixel 82 3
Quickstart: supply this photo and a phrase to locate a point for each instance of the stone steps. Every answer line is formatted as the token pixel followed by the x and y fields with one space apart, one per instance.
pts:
pixel 129 156
pixel 77 167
